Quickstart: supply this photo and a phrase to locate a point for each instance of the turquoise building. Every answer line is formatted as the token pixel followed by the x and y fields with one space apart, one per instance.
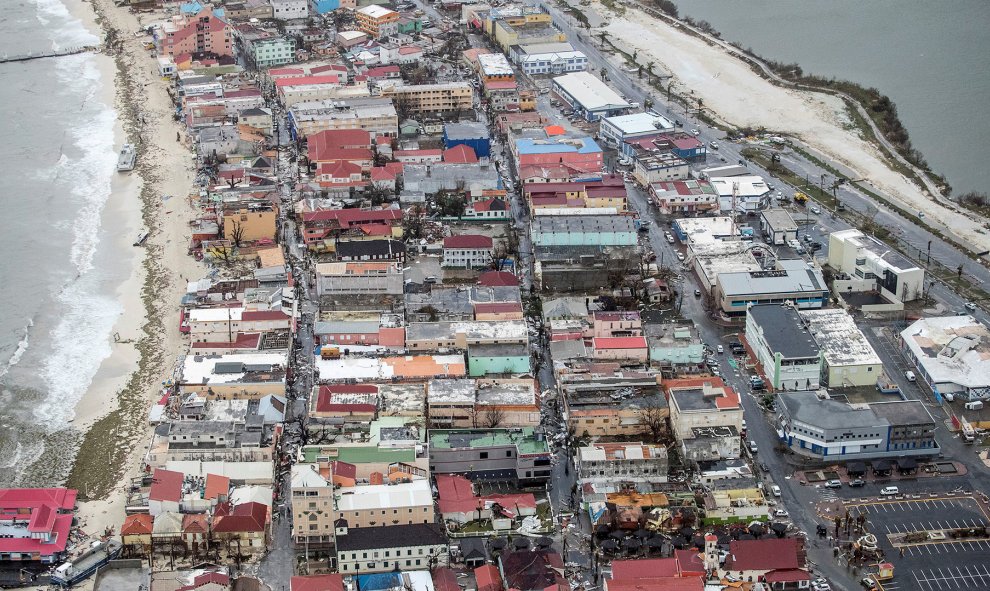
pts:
pixel 497 359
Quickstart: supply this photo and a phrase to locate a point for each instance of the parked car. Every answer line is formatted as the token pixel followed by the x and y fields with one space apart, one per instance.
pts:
pixel 815 209
pixel 680 256
pixel 775 490
pixel 857 483
pixel 888 491
pixel 868 584
pixel 713 145
pixel 697 293
pixel 970 306
pixel 753 448
pixel 833 484
pixel 910 376
pixel 780 513
pixel 669 237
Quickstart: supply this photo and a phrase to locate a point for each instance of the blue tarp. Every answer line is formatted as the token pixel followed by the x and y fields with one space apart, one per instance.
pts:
pixel 379 581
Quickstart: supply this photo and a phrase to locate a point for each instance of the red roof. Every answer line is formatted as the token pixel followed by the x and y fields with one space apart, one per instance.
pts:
pixel 620 342
pixel 763 555
pixel 325 399
pixel 687 583
pixel 166 485
pixel 455 495
pixel 383 72
pixel 320 143
pixel 552 130
pixel 331 582
pixel 348 217
pixel 494 204
pixel 216 486
pixel 644 569
pixel 460 154
pixel 500 84
pixel 195 523
pixel 343 469
pixel 246 517
pixel 488 578
pixel 261 315
pixel 421 153
pixel 497 307
pixel 137 525
pixel 29 498
pixel 380 173
pixel 445 579
pixel 787 575
pixel 467 241
pixel 497 279
pixel 243 340
pixel 343 154
pixel 206 578
pixel 307 80
pixel 690 562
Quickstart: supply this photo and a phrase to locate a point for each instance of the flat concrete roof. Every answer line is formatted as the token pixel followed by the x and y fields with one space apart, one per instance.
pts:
pixel 592 93
pixel 784 331
pixel 841 341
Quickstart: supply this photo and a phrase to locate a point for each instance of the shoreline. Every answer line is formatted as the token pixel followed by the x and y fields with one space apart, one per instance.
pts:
pixel 816 119
pixel 116 433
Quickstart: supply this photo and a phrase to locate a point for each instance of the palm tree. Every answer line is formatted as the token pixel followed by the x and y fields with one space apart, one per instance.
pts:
pixel 649 71
pixel 640 72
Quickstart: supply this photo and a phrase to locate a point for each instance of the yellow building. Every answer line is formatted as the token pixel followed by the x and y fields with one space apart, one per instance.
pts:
pixel 250 224
pixel 522 25
pixel 312 505
pixel 432 98
pixel 377 21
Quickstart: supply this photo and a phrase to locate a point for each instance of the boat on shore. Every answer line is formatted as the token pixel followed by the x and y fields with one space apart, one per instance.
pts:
pixel 141 238
pixel 127 158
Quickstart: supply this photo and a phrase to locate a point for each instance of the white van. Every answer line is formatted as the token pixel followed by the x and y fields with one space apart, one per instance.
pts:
pixel 910 376
pixel 974 405
pixel 889 491
pixel 775 490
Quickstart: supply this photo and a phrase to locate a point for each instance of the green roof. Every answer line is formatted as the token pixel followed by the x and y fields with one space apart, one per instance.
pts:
pixel 524 439
pixel 359 454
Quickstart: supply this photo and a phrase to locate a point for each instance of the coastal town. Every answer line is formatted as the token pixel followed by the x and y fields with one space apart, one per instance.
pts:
pixel 471 299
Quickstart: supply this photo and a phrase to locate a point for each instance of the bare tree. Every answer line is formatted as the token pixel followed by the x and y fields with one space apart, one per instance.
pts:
pixel 492 417
pixel 653 417
pixel 236 232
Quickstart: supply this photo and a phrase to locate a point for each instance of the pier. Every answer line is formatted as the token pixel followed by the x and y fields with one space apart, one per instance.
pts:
pixel 45 54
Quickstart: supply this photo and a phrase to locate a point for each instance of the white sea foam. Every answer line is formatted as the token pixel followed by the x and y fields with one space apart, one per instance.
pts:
pixel 61 27
pixel 93 163
pixel 81 341
pixel 22 346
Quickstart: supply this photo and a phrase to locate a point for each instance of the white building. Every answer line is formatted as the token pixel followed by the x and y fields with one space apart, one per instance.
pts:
pixel 619 128
pixel 872 265
pixel 470 251
pixel 777 225
pixel 848 358
pixel 376 115
pixel 589 96
pixel 286 10
pixel 495 65
pixel 656 167
pixel 375 277
pixel 746 193
pixel 419 546
pixel 607 462
pixel 549 58
pixel 788 353
pixel 952 355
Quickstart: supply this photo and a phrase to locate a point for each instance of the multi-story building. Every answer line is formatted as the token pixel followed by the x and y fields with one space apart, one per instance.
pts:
pixel 35 523
pixel 382 505
pixel 778 226
pixel 848 359
pixel 359 278
pixel 589 96
pixel 235 376
pixel 687 197
pixel 273 52
pixel 377 21
pixel 429 99
pixel 618 129
pixel 471 251
pixel 706 416
pixel 515 25
pixel 786 351
pixel 469 403
pixel 625 462
pixel 659 167
pixel 203 32
pixel 256 221
pixel 831 430
pixel 674 345
pixel 549 58
pixel 873 266
pixel 313 512
pixel 286 10
pixel 420 546
pixel 580 152
pixel 519 454
pixel 375 115
pixel 791 281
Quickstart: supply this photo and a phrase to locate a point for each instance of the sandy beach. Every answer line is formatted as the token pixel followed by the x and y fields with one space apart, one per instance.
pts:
pixel 154 196
pixel 737 95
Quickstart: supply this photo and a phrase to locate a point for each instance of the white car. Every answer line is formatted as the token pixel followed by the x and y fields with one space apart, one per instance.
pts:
pixel 780 513
pixel 669 237
pixel 680 256
pixel 970 306
pixel 889 491
pixel 720 349
pixel 695 132
pixel 815 209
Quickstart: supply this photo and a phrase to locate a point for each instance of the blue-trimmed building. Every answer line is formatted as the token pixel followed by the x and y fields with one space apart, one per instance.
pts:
pixel 831 430
pixel 792 281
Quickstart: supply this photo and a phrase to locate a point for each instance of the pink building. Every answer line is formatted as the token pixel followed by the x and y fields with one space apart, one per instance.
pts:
pixel 616 324
pixel 200 33
pixel 624 348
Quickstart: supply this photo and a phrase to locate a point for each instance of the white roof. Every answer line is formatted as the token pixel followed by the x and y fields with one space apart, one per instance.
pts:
pixel 197 368
pixel 239 471
pixel 457 390
pixel 841 341
pixel 576 211
pixel 385 496
pixel 376 11
pixel 951 350
pixel 215 314
pixel 553 56
pixel 307 476
pixel 746 186
pixel 494 64
pixel 592 93
pixel 351 35
pixel 251 494
pixel 639 123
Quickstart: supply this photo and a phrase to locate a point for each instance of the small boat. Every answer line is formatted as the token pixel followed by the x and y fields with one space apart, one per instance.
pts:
pixel 127 157
pixel 141 238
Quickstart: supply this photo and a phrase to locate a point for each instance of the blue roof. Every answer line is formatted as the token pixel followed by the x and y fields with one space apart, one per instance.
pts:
pixel 379 582
pixel 531 146
pixel 191 7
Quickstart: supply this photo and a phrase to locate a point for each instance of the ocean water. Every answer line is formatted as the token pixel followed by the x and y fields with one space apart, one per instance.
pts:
pixel 59 271
pixel 930 58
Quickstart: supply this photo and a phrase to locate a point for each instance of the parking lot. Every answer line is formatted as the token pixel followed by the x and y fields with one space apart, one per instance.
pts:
pixel 932 565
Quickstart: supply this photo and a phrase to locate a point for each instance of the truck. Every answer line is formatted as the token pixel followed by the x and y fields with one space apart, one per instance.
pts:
pixel 800 198
pixel 966 432
pixel 329 353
